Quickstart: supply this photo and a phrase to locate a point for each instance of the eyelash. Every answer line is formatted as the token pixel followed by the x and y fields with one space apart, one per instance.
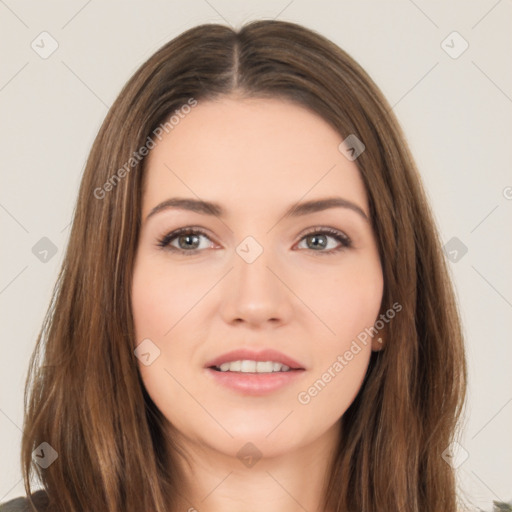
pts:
pixel 334 233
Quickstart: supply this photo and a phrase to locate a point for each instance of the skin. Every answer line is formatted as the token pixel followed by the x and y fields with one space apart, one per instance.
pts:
pixel 256 157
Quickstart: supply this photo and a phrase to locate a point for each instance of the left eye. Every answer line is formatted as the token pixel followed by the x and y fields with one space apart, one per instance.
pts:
pixel 189 240
pixel 326 233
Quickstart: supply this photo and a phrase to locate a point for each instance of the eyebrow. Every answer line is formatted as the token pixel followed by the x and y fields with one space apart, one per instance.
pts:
pixel 297 210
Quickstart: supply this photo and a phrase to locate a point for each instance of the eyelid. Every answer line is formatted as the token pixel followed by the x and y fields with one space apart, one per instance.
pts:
pixel 326 230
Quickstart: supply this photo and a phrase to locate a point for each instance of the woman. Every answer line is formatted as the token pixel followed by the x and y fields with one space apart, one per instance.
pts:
pixel 305 352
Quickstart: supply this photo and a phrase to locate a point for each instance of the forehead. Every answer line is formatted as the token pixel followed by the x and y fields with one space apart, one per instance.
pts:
pixel 247 152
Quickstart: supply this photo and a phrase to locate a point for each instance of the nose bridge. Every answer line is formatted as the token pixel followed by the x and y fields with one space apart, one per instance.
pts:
pixel 255 293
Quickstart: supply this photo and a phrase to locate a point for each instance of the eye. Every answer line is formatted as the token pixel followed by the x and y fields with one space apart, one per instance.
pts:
pixel 318 237
pixel 187 239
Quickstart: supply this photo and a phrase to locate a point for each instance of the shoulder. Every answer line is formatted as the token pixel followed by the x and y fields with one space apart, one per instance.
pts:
pixel 22 504
pixel 16 505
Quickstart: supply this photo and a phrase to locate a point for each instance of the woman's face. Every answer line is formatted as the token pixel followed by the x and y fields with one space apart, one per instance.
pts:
pixel 254 278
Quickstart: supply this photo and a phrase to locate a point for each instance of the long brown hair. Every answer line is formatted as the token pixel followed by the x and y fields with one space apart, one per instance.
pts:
pixel 84 395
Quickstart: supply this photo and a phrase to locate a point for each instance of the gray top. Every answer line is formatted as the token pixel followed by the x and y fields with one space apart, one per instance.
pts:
pixel 16 505
pixel 22 504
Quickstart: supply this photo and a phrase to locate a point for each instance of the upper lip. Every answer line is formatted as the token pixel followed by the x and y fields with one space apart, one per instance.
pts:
pixel 255 355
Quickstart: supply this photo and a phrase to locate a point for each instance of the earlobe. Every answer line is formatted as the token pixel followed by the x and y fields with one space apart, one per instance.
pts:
pixel 377 344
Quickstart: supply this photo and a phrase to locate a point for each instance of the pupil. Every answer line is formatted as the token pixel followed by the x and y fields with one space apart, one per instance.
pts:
pixel 316 237
pixel 188 237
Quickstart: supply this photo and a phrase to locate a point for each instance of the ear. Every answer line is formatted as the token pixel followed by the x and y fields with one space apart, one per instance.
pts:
pixel 378 342
pixel 379 339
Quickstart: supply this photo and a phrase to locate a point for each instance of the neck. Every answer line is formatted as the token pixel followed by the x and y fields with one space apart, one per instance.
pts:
pixel 279 482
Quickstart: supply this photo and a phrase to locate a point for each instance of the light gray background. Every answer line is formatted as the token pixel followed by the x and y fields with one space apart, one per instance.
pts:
pixel 456 113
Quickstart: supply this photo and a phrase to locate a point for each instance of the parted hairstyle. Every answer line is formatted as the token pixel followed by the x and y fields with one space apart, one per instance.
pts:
pixel 84 395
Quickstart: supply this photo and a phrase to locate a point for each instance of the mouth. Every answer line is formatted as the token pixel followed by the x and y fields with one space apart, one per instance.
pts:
pixel 245 366
pixel 246 360
pixel 253 373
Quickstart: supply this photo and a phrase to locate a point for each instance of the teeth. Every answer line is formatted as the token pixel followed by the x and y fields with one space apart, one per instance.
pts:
pixel 247 366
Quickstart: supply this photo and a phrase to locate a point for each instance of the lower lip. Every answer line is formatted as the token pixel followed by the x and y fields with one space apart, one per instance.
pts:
pixel 255 384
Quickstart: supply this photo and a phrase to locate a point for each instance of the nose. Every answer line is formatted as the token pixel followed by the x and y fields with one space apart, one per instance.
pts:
pixel 255 293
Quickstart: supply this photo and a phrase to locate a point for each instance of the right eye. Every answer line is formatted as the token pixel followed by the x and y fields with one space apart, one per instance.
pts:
pixel 187 237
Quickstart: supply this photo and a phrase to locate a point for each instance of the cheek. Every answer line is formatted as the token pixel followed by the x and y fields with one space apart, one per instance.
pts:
pixel 343 352
pixel 348 302
pixel 159 301
pixel 160 298
pixel 346 298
